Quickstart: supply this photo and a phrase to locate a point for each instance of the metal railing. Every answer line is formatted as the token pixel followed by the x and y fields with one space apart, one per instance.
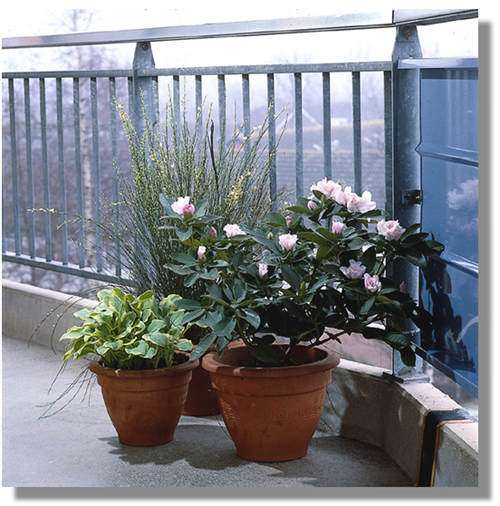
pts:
pixel 399 99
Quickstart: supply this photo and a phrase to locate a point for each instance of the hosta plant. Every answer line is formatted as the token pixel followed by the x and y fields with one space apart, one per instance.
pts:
pixel 127 332
pixel 311 274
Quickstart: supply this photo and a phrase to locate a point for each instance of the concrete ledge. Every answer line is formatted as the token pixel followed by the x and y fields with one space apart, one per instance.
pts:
pixel 361 404
pixel 365 406
pixel 37 313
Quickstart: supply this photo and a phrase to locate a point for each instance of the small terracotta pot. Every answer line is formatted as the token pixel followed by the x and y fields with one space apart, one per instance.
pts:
pixel 271 412
pixel 145 406
pixel 201 398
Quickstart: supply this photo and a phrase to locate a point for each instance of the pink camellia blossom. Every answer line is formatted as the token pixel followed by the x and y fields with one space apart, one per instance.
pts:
pixel 231 229
pixel 354 271
pixel 212 232
pixel 287 241
pixel 201 252
pixel 391 229
pixel 372 283
pixel 402 287
pixel 327 187
pixel 337 227
pixel 183 207
pixel 311 205
pixel 263 269
pixel 357 204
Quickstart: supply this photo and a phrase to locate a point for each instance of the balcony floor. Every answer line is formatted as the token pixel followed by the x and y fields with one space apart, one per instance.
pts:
pixel 79 448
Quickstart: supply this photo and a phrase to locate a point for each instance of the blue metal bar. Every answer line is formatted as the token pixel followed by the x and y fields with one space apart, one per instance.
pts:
pixel 271 113
pixel 177 100
pixel 389 176
pixel 156 98
pixel 245 91
pixel 221 93
pixel 96 173
pixel 15 168
pixel 114 155
pixel 29 166
pixel 72 269
pixel 438 63
pixel 299 147
pixel 356 131
pixel 79 176
pixel 284 68
pixel 130 93
pixel 199 106
pixel 327 126
pixel 45 168
pixel 62 177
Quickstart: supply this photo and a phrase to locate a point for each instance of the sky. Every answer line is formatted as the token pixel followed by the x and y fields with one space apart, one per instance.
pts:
pixel 452 39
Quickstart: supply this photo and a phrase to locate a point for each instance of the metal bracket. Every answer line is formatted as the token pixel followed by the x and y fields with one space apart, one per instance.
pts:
pixel 412 197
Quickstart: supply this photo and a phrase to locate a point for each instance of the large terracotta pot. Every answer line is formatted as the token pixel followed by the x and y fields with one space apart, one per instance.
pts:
pixel 201 398
pixel 271 412
pixel 145 406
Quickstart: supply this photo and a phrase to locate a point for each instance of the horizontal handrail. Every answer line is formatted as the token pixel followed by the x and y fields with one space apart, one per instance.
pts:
pixel 240 29
pixel 375 66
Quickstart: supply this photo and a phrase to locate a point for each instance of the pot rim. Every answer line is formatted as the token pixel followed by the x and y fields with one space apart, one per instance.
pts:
pixel 212 364
pixel 97 368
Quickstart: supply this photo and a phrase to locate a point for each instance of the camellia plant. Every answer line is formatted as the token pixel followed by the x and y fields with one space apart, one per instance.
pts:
pixel 311 274
pixel 127 332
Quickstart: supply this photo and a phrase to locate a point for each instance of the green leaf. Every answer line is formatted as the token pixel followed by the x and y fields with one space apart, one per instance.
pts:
pixel 188 304
pixel 192 316
pixel 184 345
pixel 251 317
pixel 290 276
pixel 225 327
pixel 365 308
pixel 156 326
pixel 397 341
pixel 158 338
pixel 407 356
pixel 203 346
pixel 184 234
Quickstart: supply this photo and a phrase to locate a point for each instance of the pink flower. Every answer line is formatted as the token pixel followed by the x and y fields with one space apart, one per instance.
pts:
pixel 311 205
pixel 182 206
pixel 232 230
pixel 337 227
pixel 391 229
pixel 201 252
pixel 357 204
pixel 372 283
pixel 327 187
pixel 402 287
pixel 287 241
pixel 354 271
pixel 212 232
pixel 263 268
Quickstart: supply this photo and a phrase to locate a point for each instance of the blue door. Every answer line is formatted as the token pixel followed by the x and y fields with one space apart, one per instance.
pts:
pixel 450 172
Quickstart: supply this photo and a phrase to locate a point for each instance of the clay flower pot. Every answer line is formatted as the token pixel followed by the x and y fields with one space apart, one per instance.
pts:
pixel 271 412
pixel 145 406
pixel 201 397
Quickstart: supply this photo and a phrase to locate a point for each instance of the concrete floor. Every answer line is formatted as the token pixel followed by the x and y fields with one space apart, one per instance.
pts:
pixel 78 447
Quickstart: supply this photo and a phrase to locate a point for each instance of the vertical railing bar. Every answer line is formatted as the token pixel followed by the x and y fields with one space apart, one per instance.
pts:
pixel 156 97
pixel 327 126
pixel 199 107
pixel 356 131
pixel 299 148
pixel 221 94
pixel 45 168
pixel 130 92
pixel 271 112
pixel 96 173
pixel 15 168
pixel 79 175
pixel 389 175
pixel 114 156
pixel 62 177
pixel 177 101
pixel 29 167
pixel 245 89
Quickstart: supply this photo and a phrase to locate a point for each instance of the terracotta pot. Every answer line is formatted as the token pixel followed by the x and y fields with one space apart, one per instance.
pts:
pixel 271 412
pixel 145 406
pixel 201 397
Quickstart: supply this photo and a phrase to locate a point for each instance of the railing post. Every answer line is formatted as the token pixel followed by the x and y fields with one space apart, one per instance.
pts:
pixel 406 136
pixel 145 89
